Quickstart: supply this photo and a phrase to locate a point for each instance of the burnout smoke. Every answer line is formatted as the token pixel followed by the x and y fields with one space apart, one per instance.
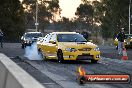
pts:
pixel 31 52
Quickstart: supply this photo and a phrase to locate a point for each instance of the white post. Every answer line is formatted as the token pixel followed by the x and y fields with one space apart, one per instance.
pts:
pixel 130 17
pixel 36 24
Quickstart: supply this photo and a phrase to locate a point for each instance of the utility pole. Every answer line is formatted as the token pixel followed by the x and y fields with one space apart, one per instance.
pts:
pixel 36 23
pixel 130 17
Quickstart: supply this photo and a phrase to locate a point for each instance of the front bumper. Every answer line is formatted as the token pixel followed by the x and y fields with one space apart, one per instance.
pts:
pixel 129 45
pixel 81 55
pixel 28 44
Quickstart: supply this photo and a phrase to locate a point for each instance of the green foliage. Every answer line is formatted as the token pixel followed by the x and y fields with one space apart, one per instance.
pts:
pixel 54 5
pixel 11 19
pixel 116 16
pixel 85 12
pixel 110 14
pixel 46 11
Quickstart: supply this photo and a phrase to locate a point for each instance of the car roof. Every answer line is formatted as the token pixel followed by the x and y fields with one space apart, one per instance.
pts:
pixel 64 33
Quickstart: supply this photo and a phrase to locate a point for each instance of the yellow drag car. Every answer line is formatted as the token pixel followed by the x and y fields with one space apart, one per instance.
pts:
pixel 67 46
pixel 127 41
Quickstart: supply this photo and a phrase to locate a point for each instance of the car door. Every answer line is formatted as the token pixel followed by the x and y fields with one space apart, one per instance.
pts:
pixel 45 45
pixel 52 46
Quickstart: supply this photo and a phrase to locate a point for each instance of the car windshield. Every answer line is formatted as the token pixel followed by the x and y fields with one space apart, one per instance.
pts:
pixel 35 35
pixel 71 38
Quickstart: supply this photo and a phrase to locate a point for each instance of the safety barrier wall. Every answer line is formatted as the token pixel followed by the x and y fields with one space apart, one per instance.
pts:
pixel 12 76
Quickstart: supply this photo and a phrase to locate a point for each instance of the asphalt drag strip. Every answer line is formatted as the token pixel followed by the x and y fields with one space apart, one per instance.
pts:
pixel 38 75
pixel 65 74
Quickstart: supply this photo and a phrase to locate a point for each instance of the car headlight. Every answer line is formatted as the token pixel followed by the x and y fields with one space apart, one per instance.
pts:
pixel 71 49
pixel 96 49
pixel 28 41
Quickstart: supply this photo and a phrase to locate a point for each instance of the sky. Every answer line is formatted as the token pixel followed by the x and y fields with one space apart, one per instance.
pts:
pixel 69 7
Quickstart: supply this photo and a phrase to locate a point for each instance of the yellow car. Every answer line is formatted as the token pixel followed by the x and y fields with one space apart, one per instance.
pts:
pixel 67 46
pixel 127 41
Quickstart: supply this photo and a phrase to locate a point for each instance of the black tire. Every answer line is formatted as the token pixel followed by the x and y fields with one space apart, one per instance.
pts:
pixel 82 80
pixel 60 56
pixel 116 47
pixel 23 46
pixel 94 61
pixel 42 55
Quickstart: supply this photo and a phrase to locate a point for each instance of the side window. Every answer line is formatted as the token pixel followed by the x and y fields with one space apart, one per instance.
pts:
pixel 53 37
pixel 47 38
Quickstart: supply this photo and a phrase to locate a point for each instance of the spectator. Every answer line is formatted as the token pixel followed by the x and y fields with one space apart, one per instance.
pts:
pixel 85 34
pixel 121 37
pixel 1 38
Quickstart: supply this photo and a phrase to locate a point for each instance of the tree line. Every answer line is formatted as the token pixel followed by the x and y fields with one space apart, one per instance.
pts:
pixel 105 17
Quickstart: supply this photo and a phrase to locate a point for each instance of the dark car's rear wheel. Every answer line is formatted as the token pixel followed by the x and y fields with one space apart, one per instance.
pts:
pixel 60 56
pixel 23 46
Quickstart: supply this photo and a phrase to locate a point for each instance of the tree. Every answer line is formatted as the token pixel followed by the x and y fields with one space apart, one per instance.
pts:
pixel 46 12
pixel 12 19
pixel 115 16
pixel 110 14
pixel 85 13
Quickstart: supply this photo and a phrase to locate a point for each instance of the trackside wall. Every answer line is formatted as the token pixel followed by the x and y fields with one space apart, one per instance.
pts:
pixel 12 76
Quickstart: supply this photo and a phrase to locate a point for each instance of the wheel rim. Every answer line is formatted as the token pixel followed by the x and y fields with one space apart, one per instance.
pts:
pixel 59 58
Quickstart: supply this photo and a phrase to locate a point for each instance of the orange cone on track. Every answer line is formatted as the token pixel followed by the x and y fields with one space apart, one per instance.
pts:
pixel 124 57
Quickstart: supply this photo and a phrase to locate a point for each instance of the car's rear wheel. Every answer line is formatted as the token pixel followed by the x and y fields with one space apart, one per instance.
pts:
pixel 94 61
pixel 23 46
pixel 60 56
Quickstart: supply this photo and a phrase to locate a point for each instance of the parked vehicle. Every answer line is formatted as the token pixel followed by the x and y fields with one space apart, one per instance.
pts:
pixel 29 37
pixel 127 41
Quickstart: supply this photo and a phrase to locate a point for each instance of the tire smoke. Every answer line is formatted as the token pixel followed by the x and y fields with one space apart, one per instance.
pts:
pixel 31 52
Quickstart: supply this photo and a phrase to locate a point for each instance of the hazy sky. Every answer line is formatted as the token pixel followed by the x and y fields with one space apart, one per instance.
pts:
pixel 69 7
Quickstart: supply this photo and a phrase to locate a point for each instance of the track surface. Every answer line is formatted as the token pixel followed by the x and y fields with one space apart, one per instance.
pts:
pixel 55 75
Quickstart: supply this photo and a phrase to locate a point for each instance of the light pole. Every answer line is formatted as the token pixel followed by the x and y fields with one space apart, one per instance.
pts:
pixel 36 23
pixel 130 17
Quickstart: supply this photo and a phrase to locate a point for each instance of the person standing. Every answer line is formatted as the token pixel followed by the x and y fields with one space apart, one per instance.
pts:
pixel 85 34
pixel 121 37
pixel 1 38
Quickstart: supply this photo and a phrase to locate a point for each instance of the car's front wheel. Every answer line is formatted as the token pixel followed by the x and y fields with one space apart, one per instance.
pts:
pixel 60 56
pixel 116 47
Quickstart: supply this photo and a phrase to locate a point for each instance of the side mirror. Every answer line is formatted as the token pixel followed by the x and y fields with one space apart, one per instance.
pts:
pixel 53 42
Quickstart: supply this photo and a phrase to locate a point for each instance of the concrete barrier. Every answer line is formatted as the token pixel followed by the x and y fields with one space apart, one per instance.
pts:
pixel 12 76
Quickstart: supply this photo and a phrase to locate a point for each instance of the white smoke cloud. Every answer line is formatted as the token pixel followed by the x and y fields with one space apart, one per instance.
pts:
pixel 31 52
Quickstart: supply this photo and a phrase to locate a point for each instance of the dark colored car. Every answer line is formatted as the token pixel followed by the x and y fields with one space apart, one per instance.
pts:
pixel 29 37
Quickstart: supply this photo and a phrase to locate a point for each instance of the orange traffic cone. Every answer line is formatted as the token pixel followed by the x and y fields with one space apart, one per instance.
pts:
pixel 124 57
